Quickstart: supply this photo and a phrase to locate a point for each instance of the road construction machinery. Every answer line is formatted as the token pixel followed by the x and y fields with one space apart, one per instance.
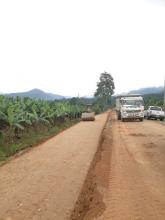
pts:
pixel 88 115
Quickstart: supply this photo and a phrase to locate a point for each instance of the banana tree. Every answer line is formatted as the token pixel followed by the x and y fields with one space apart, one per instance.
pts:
pixel 13 119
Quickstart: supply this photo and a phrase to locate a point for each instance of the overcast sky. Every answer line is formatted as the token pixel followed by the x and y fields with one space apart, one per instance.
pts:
pixel 62 46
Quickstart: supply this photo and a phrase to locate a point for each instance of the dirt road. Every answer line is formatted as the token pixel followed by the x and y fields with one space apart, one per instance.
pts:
pixel 136 183
pixel 44 183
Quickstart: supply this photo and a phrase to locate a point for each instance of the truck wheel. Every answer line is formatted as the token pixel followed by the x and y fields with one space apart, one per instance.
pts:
pixel 161 119
pixel 118 116
pixel 141 119
pixel 123 119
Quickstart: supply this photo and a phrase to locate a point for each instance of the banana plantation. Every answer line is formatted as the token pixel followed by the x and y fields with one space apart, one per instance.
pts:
pixel 21 119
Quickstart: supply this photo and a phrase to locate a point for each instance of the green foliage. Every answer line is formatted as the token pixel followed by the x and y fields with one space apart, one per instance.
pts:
pixel 104 91
pixel 153 99
pixel 105 87
pixel 20 115
pixel 97 108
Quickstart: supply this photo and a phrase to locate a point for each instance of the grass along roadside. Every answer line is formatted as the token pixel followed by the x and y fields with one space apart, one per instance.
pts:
pixel 31 138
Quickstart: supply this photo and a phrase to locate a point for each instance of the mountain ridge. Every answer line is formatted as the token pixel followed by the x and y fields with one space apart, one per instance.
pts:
pixel 37 94
pixel 147 90
pixel 40 94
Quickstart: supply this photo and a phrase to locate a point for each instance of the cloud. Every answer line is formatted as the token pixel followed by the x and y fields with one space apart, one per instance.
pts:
pixel 63 46
pixel 156 2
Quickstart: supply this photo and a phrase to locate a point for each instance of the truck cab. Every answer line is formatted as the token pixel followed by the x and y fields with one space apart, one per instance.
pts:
pixel 130 107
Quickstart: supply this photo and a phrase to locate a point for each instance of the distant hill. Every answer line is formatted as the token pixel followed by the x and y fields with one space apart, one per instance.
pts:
pixel 151 95
pixel 148 90
pixel 37 94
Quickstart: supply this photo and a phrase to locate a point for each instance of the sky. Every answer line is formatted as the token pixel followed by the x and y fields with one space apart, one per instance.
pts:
pixel 63 46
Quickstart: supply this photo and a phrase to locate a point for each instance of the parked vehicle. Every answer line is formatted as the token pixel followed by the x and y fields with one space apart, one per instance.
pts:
pixel 130 107
pixel 154 112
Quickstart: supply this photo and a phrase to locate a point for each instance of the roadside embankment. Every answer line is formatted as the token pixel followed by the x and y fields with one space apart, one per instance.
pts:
pixel 45 182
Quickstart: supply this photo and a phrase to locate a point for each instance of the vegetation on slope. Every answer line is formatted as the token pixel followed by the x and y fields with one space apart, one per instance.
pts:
pixel 25 121
pixel 153 99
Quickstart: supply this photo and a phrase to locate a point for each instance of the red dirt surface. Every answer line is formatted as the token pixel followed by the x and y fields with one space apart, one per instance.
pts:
pixel 136 173
pixel 125 181
pixel 45 182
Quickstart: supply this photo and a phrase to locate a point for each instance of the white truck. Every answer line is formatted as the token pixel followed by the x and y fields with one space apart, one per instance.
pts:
pixel 130 107
pixel 154 112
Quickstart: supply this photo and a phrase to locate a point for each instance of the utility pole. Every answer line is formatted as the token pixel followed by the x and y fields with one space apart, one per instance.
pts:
pixel 164 95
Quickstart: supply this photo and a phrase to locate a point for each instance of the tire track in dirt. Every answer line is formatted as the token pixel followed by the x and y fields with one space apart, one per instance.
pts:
pixel 91 201
pixel 130 195
pixel 136 174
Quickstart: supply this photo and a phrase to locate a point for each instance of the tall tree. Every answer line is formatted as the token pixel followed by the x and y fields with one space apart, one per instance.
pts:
pixel 105 88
